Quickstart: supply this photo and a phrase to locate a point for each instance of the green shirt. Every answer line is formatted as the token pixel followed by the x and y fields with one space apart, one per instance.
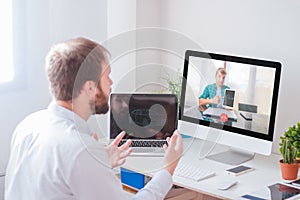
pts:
pixel 210 92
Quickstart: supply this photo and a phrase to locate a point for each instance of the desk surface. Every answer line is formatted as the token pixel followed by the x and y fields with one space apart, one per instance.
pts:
pixel 267 172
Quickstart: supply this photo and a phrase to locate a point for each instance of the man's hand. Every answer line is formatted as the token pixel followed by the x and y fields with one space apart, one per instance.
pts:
pixel 216 100
pixel 117 155
pixel 173 151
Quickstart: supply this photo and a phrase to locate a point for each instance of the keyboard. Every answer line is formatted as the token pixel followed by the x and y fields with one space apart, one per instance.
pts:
pixel 147 150
pixel 192 172
pixel 146 147
pixel 216 112
pixel 145 143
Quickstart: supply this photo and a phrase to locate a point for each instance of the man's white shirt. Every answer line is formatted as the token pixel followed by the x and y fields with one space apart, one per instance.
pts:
pixel 53 156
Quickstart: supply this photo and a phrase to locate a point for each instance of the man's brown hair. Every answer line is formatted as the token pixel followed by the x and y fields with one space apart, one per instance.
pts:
pixel 71 63
pixel 221 70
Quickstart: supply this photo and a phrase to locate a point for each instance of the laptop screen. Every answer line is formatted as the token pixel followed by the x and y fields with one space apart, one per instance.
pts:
pixel 143 116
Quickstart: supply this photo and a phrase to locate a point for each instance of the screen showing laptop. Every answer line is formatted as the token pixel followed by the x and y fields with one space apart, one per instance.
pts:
pixel 143 116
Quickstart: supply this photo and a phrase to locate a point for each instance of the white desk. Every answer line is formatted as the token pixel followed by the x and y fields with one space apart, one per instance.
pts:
pixel 267 172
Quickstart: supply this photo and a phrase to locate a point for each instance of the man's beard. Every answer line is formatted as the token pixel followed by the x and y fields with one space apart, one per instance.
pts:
pixel 100 105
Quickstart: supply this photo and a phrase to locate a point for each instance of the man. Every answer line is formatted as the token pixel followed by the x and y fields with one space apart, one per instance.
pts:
pixel 53 153
pixel 213 94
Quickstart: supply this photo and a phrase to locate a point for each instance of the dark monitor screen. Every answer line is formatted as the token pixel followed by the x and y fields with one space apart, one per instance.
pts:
pixel 230 83
pixel 143 116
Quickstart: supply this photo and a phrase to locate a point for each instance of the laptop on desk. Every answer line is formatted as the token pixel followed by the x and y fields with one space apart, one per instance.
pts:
pixel 227 106
pixel 147 119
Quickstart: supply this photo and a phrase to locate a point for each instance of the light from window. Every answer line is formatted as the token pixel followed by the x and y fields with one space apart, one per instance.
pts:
pixel 6 45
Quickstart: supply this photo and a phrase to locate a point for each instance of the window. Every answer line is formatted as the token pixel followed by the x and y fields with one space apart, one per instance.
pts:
pixel 6 47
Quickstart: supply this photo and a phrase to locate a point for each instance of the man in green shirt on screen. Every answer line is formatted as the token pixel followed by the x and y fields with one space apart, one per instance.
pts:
pixel 213 94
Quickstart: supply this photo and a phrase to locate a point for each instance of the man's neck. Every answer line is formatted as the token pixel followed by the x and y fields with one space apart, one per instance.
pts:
pixel 71 105
pixel 65 104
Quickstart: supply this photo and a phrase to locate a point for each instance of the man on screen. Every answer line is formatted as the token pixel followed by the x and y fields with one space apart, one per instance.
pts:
pixel 213 94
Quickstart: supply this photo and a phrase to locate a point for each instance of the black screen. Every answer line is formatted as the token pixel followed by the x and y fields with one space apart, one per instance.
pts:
pixel 143 116
pixel 229 98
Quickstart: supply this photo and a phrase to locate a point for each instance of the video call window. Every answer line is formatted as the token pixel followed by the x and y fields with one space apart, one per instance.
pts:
pixel 252 85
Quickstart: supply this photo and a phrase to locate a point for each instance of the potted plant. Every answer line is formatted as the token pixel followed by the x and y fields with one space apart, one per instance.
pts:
pixel 293 134
pixel 289 164
pixel 174 85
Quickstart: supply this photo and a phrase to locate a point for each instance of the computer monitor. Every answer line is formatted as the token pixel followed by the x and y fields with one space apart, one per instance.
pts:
pixel 206 79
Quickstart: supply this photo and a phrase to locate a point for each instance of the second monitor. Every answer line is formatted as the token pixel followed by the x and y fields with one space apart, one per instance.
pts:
pixel 222 81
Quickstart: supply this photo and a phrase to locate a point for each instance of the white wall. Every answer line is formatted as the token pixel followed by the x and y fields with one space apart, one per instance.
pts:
pixel 121 42
pixel 259 29
pixel 148 40
pixel 46 22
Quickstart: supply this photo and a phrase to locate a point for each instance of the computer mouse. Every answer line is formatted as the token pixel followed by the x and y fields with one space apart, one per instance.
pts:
pixel 226 184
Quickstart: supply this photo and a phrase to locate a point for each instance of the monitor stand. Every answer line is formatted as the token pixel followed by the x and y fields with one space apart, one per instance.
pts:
pixel 232 156
pixel 222 153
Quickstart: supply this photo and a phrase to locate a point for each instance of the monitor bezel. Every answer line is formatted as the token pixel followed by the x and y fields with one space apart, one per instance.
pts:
pixel 244 60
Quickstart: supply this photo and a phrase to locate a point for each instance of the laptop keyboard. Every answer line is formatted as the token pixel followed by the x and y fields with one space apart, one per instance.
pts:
pixel 147 150
pixel 218 111
pixel 145 143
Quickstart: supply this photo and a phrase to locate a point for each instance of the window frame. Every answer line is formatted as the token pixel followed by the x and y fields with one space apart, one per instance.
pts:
pixel 18 49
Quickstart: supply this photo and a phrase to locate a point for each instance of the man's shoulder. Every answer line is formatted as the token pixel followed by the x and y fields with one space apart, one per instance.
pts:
pixel 225 87
pixel 34 119
pixel 211 86
pixel 29 126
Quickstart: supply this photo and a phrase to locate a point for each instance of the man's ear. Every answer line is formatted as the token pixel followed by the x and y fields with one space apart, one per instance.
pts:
pixel 89 88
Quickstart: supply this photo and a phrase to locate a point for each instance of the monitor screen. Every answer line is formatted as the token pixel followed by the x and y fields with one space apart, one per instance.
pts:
pixel 230 88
